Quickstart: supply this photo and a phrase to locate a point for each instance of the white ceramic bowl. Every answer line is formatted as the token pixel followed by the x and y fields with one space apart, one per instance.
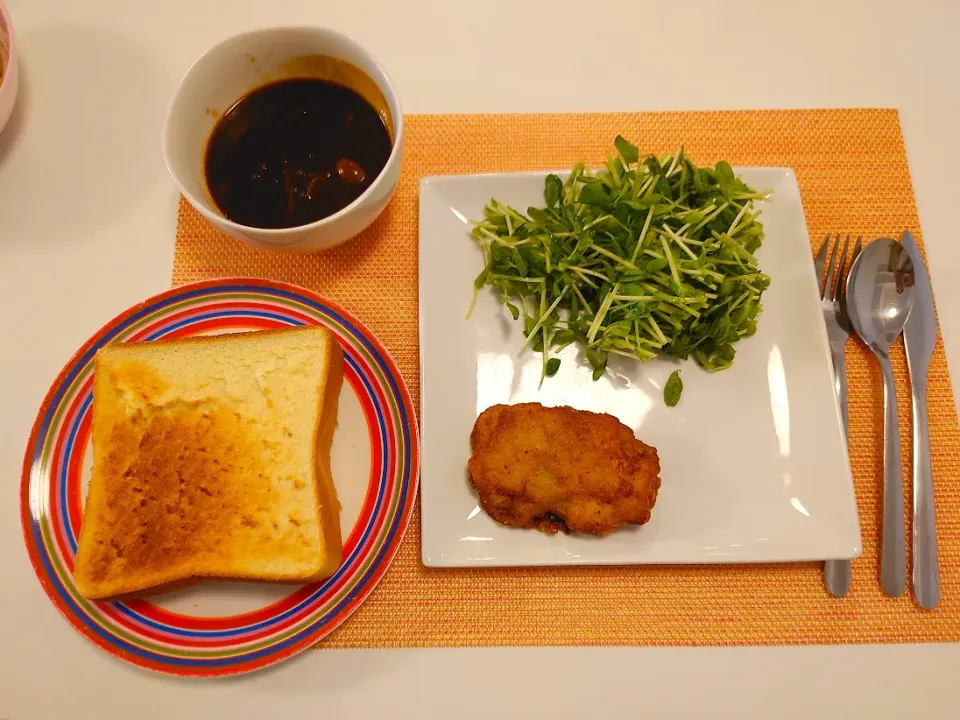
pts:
pixel 8 67
pixel 238 65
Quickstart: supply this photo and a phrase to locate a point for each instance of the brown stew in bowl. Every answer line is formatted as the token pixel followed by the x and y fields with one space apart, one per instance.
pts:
pixel 293 152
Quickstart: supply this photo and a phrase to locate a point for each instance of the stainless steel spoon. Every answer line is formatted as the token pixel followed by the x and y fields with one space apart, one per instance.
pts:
pixel 879 299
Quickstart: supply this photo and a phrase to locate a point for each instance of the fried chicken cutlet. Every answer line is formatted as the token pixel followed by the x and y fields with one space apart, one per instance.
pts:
pixel 560 469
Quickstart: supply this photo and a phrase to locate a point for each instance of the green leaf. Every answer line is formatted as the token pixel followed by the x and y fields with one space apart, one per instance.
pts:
pixel 584 241
pixel 481 279
pixel 553 190
pixel 533 257
pixel 553 364
pixel 628 151
pixel 720 328
pixel 514 310
pixel 597 359
pixel 673 389
pixel 498 253
pixel 636 311
pixel 632 289
pixel 655 265
pixel 541 217
pixel 562 338
pixel 648 201
pixel 556 247
pixel 520 262
pixel 679 347
pixel 596 195
pixel 725 179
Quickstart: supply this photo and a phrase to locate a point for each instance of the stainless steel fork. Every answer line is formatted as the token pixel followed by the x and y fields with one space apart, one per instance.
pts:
pixel 833 302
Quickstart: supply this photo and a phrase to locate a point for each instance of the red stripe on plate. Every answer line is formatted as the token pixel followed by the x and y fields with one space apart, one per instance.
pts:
pixel 373 482
pixel 223 306
pixel 204 326
pixel 75 474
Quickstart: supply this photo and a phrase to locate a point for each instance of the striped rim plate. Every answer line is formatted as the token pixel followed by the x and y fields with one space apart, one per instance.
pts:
pixel 240 627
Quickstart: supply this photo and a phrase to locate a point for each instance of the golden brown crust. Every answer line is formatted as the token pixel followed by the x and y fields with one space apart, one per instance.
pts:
pixel 168 474
pixel 211 339
pixel 561 469
pixel 326 490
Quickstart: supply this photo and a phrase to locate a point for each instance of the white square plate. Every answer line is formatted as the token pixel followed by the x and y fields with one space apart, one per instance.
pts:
pixel 753 462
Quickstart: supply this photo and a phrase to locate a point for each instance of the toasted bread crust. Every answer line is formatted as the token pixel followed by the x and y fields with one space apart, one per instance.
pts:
pixel 326 489
pixel 186 486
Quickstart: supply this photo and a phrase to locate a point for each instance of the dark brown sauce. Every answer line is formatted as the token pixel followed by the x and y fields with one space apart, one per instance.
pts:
pixel 293 152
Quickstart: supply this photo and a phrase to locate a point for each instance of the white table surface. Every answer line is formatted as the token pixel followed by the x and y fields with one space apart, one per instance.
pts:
pixel 87 217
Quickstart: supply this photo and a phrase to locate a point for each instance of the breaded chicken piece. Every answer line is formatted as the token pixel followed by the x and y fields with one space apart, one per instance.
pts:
pixel 561 469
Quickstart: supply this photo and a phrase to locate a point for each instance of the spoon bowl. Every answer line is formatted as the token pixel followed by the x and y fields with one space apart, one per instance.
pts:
pixel 880 293
pixel 879 299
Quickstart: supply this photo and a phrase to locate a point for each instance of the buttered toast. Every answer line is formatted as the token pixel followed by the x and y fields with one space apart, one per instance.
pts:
pixel 211 459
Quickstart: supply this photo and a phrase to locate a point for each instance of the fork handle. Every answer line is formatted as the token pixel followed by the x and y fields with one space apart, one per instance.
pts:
pixel 840 386
pixel 836 573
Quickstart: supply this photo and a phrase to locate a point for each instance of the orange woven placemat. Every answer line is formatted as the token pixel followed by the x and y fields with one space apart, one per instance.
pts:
pixel 853 175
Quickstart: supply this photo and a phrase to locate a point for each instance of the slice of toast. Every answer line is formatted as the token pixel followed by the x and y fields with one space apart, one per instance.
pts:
pixel 211 459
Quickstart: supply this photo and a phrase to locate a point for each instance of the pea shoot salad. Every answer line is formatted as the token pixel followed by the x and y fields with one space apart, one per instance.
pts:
pixel 643 257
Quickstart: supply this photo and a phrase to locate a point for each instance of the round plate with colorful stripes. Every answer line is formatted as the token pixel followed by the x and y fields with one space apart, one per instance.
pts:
pixel 222 628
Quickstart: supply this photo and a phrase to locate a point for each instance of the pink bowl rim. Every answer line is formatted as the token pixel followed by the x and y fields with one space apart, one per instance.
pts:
pixel 11 45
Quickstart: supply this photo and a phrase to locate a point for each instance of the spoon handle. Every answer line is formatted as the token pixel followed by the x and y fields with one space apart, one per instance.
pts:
pixel 893 561
pixel 926 575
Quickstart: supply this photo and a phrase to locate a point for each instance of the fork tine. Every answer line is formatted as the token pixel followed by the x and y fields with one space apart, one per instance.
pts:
pixel 858 248
pixel 838 285
pixel 820 263
pixel 828 286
